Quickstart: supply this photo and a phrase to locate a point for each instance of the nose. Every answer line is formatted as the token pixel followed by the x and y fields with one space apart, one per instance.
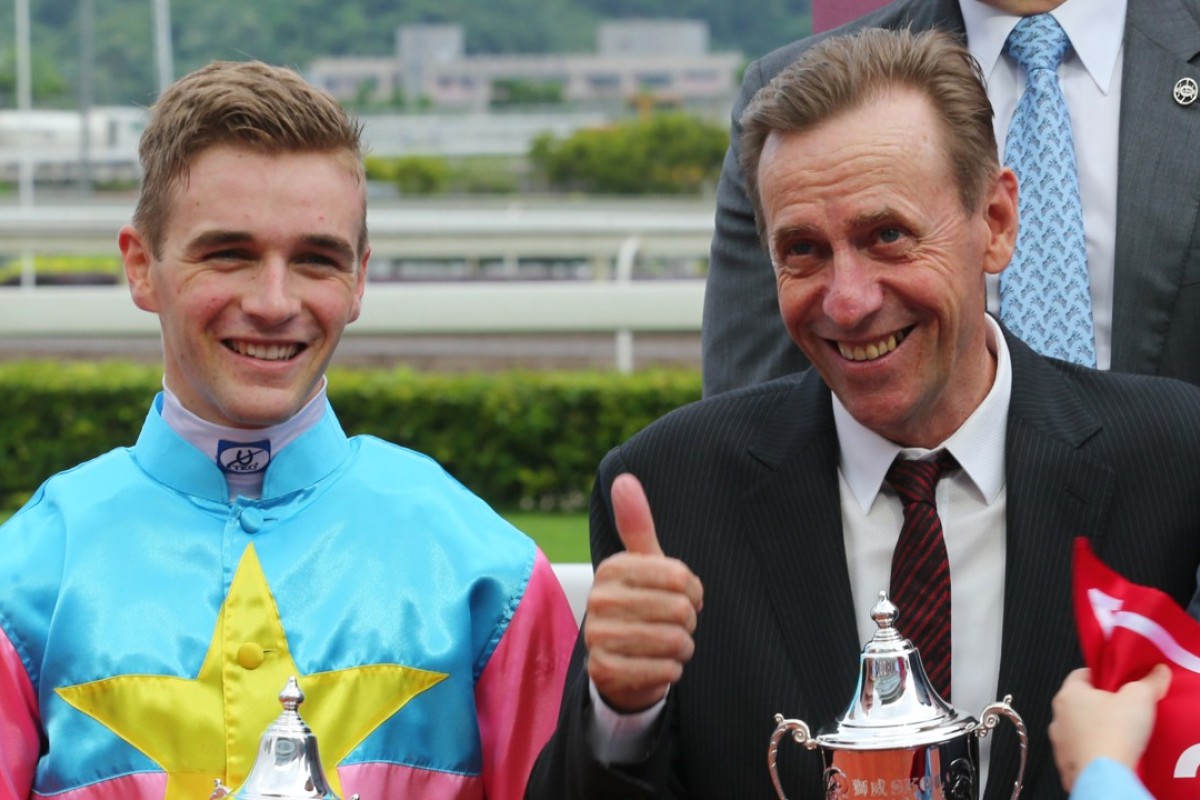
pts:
pixel 271 296
pixel 853 293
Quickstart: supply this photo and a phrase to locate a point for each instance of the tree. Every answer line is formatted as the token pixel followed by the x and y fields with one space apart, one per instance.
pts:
pixel 421 175
pixel 515 92
pixel 666 153
pixel 294 32
pixel 47 85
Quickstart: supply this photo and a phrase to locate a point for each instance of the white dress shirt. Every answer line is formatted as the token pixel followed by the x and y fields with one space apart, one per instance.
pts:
pixel 971 504
pixel 1090 76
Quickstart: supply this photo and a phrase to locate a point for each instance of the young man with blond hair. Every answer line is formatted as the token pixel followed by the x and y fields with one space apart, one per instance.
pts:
pixel 155 601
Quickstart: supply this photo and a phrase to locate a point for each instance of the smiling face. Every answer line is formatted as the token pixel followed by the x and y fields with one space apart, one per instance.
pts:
pixel 879 267
pixel 258 275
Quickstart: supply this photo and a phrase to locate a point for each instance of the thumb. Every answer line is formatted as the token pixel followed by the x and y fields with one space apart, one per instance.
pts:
pixel 1081 675
pixel 631 510
pixel 1158 680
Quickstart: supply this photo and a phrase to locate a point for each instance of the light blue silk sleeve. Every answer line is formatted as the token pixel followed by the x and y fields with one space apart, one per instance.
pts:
pixel 1105 779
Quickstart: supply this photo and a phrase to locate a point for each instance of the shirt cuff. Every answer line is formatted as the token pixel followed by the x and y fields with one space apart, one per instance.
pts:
pixel 617 738
pixel 1104 777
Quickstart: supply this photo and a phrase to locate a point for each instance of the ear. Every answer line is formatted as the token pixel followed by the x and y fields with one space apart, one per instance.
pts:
pixel 360 284
pixel 136 255
pixel 1002 220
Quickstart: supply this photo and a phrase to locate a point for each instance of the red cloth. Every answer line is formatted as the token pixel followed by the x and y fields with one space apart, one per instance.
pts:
pixel 1125 629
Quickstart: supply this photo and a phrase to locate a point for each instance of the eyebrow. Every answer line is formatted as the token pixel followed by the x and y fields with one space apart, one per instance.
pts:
pixel 791 231
pixel 867 219
pixel 886 214
pixel 217 238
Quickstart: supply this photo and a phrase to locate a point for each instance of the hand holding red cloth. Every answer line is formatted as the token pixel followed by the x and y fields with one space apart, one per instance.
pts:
pixel 1124 630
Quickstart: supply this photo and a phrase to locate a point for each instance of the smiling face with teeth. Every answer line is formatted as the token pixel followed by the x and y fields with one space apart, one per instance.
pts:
pixel 259 273
pixel 879 266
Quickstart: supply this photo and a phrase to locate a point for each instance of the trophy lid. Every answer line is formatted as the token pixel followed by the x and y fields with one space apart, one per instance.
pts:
pixel 287 767
pixel 894 705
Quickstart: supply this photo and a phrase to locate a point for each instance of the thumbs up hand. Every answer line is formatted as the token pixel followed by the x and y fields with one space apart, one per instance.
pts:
pixel 641 612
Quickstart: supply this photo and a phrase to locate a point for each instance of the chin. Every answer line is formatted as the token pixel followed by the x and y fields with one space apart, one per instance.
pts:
pixel 877 416
pixel 260 416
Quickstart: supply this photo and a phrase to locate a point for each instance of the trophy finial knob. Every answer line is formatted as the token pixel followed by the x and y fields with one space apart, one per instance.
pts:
pixel 291 697
pixel 288 766
pixel 884 612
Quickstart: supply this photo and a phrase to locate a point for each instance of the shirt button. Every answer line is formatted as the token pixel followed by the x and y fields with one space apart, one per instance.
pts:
pixel 250 655
pixel 251 519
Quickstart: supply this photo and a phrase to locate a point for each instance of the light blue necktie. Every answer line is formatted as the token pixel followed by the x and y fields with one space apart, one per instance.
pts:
pixel 1044 293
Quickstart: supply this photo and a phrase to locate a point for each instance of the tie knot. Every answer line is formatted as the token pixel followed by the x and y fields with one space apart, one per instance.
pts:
pixel 915 481
pixel 1038 42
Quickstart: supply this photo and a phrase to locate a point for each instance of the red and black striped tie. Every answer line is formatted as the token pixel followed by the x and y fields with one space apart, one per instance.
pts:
pixel 920 582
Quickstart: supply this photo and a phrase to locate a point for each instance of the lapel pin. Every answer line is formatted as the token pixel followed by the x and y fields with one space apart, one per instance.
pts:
pixel 1185 91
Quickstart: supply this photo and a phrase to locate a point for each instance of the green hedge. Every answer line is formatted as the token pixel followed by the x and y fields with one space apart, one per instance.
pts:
pixel 521 440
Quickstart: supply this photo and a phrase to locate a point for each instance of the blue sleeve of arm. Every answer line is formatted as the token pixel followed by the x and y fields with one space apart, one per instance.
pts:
pixel 1104 778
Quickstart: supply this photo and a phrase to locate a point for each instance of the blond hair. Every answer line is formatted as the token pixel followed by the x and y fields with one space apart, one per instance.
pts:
pixel 242 104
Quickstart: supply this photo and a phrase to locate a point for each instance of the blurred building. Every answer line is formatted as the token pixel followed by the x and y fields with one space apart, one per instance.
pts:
pixel 60 145
pixel 474 134
pixel 668 61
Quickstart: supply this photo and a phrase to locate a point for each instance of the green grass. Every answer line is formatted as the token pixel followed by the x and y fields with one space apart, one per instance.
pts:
pixel 562 537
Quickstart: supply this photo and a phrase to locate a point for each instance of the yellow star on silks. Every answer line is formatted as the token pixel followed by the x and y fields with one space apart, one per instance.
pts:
pixel 201 729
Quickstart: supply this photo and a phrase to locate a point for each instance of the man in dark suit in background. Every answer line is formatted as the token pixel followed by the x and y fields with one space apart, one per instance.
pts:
pixel 881 202
pixel 1136 144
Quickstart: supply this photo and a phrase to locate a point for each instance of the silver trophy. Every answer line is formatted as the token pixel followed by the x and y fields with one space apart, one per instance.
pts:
pixel 898 739
pixel 287 767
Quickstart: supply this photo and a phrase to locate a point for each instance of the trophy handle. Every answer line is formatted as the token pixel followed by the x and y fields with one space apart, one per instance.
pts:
pixel 800 734
pixel 990 718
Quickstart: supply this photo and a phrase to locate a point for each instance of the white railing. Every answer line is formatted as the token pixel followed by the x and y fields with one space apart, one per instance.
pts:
pixel 576 580
pixel 568 229
pixel 399 308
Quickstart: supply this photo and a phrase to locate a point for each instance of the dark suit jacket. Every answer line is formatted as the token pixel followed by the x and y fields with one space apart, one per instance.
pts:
pixel 744 489
pixel 1156 291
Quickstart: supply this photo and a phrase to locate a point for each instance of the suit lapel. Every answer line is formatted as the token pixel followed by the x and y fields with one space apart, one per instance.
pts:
pixel 1054 493
pixel 1158 183
pixel 794 525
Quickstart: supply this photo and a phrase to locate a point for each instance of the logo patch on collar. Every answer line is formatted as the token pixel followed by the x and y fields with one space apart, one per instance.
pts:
pixel 243 457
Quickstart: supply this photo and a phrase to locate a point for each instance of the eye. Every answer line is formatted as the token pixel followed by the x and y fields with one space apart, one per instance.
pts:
pixel 228 254
pixel 890 241
pixel 323 261
pixel 890 235
pixel 801 256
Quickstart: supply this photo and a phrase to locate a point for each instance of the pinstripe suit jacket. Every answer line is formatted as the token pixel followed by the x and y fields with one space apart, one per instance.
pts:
pixel 744 489
pixel 1156 273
